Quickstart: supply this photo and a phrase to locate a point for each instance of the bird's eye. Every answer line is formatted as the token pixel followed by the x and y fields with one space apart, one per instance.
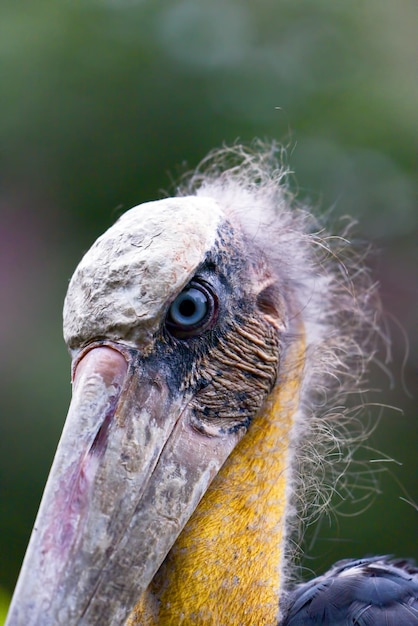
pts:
pixel 192 312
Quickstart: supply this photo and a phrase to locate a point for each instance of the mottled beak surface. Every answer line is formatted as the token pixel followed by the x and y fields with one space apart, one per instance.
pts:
pixel 129 471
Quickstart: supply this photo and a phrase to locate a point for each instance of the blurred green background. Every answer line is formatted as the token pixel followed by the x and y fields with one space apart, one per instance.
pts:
pixel 102 103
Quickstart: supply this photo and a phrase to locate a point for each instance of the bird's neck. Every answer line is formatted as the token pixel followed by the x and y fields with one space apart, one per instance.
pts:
pixel 227 565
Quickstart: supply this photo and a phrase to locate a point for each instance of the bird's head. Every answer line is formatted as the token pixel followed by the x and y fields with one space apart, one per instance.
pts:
pixel 182 321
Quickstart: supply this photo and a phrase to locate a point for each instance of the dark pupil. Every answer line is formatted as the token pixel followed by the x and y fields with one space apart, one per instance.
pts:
pixel 187 307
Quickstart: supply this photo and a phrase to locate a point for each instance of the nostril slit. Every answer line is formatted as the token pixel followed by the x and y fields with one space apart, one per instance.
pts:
pixel 100 441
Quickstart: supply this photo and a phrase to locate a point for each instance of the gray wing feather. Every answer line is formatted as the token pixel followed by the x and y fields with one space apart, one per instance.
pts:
pixel 365 592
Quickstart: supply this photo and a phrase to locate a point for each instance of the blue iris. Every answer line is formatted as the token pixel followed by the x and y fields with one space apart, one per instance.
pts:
pixel 189 308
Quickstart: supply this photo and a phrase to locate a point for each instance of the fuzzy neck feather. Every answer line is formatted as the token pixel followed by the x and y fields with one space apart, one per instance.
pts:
pixel 227 565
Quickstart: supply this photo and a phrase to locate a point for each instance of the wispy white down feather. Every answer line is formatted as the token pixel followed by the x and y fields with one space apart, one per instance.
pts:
pixel 337 301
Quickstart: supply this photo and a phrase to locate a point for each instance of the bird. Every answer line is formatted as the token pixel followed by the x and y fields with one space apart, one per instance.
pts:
pixel 215 336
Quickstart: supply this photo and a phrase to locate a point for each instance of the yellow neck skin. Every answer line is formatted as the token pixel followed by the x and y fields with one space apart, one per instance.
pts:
pixel 225 567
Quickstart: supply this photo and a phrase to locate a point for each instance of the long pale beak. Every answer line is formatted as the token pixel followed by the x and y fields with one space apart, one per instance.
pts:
pixel 129 471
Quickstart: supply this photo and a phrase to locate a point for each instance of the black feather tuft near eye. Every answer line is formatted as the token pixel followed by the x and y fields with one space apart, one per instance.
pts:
pixel 193 311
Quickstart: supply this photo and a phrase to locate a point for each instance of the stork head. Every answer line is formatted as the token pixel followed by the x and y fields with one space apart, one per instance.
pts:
pixel 174 324
pixel 178 320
